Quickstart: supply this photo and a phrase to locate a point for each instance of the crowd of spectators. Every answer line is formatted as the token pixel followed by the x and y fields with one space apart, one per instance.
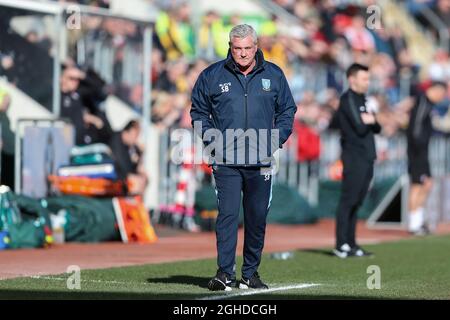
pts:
pixel 106 58
pixel 313 53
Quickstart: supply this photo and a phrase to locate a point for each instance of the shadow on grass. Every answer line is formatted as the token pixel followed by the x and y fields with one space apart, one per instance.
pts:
pixel 7 294
pixel 324 252
pixel 202 282
pixel 329 253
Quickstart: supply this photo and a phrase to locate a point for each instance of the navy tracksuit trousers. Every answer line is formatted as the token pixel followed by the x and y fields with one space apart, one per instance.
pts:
pixel 256 189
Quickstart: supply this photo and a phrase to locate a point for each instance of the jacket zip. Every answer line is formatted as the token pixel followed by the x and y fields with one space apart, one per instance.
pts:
pixel 246 98
pixel 247 80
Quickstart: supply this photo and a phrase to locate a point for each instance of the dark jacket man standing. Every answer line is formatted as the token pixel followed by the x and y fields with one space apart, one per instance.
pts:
pixel 7 142
pixel 245 101
pixel 419 133
pixel 357 127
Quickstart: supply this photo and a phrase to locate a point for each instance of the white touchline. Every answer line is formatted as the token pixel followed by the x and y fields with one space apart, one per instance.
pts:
pixel 248 292
pixel 259 291
pixel 88 280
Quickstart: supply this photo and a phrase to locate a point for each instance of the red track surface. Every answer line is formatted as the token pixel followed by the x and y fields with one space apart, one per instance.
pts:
pixel 175 246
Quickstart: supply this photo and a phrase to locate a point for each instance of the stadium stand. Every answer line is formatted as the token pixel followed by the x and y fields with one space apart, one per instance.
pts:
pixel 313 41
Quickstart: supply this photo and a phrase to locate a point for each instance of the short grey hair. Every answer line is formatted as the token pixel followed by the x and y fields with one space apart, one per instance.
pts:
pixel 243 31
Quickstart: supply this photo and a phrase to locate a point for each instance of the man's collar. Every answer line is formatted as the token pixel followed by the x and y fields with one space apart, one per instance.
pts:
pixel 259 57
pixel 356 93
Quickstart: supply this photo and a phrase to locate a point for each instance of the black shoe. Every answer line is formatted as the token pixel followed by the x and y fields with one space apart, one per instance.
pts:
pixel 343 251
pixel 221 282
pixel 254 282
pixel 357 251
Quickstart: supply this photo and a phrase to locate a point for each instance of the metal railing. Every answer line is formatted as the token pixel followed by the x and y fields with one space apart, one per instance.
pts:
pixel 305 176
pixel 88 50
pixel 278 11
pixel 136 52
pixel 392 155
pixel 439 25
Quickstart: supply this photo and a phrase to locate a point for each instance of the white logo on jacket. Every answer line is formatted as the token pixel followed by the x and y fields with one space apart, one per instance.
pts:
pixel 225 87
pixel 265 84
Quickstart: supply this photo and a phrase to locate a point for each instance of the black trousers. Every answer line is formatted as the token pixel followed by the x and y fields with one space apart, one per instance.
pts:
pixel 418 163
pixel 357 175
pixel 7 170
pixel 256 189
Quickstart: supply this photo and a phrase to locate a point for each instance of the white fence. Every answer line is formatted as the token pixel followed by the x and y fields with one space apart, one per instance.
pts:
pixel 305 176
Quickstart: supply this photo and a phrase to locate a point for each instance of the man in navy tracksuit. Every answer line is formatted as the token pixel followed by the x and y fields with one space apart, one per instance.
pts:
pixel 246 103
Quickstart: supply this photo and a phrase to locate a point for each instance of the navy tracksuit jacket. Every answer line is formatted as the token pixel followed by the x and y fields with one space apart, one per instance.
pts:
pixel 224 98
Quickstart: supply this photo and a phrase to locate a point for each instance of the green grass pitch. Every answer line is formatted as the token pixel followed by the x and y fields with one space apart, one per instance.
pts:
pixel 410 269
